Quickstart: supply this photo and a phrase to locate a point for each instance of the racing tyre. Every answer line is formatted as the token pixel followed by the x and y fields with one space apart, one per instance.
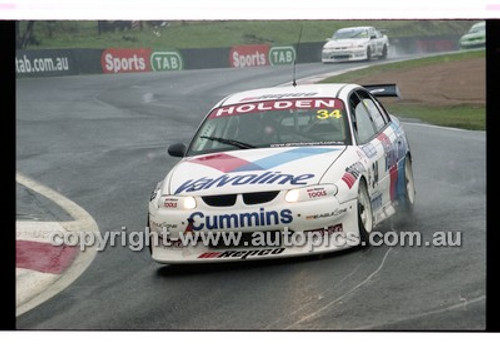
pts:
pixel 365 214
pixel 150 246
pixel 407 199
pixel 368 53
pixel 384 53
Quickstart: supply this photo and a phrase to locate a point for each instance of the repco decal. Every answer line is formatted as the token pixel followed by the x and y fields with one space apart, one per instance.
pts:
pixel 240 254
pixel 114 61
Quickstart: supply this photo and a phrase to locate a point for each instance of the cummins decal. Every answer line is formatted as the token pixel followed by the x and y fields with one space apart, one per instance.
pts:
pixel 241 220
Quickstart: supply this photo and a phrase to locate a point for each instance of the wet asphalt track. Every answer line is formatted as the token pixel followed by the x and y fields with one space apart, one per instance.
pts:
pixel 101 141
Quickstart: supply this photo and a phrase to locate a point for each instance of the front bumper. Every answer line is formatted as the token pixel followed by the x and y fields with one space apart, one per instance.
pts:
pixel 316 226
pixel 469 44
pixel 335 55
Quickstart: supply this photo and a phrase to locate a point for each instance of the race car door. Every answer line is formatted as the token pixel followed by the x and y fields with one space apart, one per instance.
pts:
pixel 373 135
pixel 377 39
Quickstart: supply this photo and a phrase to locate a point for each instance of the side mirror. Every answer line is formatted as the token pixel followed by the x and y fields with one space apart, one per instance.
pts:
pixel 177 150
pixel 373 37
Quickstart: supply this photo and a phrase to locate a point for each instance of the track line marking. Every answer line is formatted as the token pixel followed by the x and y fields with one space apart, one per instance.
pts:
pixel 460 305
pixel 320 296
pixel 340 298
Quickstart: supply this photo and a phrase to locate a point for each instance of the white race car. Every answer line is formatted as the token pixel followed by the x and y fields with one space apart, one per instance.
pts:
pixel 356 43
pixel 281 172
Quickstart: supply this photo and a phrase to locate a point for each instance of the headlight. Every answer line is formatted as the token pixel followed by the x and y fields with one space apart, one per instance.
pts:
pixel 177 202
pixel 292 196
pixel 189 203
pixel 310 193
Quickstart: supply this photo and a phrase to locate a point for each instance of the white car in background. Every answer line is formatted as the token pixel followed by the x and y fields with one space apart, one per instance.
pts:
pixel 355 43
pixel 316 163
pixel 475 37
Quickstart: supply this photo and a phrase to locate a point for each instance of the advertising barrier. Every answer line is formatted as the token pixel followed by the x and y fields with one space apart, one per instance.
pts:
pixel 201 58
pixel 114 61
pixel 45 63
pixel 62 62
pixel 166 61
pixel 248 56
pixel 57 62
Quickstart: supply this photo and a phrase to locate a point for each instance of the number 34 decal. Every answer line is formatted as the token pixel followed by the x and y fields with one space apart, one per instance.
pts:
pixel 323 114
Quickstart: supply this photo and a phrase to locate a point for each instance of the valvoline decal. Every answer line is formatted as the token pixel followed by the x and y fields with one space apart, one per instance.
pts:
pixel 244 179
pixel 259 170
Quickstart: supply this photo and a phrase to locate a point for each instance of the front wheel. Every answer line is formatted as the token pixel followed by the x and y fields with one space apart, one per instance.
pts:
pixel 150 245
pixel 368 53
pixel 365 213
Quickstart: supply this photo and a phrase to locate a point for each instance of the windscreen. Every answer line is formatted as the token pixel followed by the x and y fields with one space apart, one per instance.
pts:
pixel 354 33
pixel 272 123
pixel 477 28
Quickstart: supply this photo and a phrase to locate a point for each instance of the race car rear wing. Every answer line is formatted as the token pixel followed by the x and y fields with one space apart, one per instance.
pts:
pixel 384 90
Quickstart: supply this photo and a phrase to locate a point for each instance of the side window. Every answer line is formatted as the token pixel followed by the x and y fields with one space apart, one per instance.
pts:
pixel 382 110
pixel 371 105
pixel 362 123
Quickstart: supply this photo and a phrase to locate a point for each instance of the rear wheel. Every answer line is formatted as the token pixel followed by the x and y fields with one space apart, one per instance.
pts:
pixel 407 200
pixel 365 213
pixel 384 52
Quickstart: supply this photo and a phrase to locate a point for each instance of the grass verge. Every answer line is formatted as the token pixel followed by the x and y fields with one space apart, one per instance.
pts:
pixel 471 117
pixel 465 116
pixel 210 34
pixel 404 65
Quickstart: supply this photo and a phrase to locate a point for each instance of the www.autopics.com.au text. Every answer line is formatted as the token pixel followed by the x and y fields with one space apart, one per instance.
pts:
pixel 138 240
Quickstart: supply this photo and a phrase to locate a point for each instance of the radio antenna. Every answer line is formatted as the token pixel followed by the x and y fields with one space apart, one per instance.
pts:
pixel 294 83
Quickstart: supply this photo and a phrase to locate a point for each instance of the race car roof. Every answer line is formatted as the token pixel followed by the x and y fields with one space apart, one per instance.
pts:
pixel 352 28
pixel 288 92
